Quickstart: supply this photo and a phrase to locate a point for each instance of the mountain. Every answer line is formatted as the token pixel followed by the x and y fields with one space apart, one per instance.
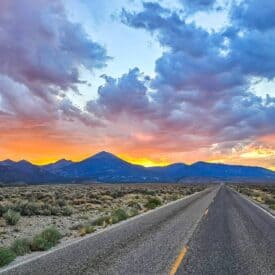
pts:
pixel 106 167
pixel 25 172
pixel 225 171
pixel 60 164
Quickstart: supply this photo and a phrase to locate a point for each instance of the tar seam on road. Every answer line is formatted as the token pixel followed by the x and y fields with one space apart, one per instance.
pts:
pixel 179 260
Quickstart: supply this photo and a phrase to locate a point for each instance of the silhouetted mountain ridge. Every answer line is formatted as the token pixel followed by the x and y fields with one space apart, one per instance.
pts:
pixel 25 172
pixel 106 167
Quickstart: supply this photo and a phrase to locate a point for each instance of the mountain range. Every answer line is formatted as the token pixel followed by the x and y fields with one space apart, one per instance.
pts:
pixel 108 168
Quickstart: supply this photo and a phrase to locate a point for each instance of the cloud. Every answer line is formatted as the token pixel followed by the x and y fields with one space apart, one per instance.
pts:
pixel 201 89
pixel 255 14
pixel 253 54
pixel 71 112
pixel 127 94
pixel 172 31
pixel 197 103
pixel 193 6
pixel 41 52
pixel 198 91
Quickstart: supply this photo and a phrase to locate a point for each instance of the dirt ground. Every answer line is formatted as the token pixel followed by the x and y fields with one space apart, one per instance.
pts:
pixel 70 208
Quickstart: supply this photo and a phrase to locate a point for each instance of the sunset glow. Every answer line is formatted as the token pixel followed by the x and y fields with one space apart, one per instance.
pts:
pixel 154 83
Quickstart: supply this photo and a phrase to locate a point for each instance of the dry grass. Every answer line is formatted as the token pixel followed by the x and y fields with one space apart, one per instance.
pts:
pixel 76 210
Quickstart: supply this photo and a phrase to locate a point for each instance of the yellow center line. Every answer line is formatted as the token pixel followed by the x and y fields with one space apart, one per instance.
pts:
pixel 178 261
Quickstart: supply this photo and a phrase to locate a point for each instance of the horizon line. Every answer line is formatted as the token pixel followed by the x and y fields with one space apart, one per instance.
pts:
pixel 133 163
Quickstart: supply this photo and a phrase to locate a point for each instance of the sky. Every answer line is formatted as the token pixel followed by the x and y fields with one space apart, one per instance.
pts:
pixel 154 82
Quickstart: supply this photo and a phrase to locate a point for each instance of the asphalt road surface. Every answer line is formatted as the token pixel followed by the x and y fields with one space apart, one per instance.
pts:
pixel 147 244
pixel 234 238
pixel 215 231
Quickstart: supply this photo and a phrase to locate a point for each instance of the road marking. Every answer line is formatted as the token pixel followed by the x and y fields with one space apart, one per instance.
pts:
pixel 253 203
pixel 72 243
pixel 206 212
pixel 259 207
pixel 178 261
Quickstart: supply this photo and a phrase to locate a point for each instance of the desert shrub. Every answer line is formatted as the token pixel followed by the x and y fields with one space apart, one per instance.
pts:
pixel 117 194
pixel 134 204
pixel 101 221
pixel 46 239
pixel 189 192
pixel 175 197
pixel 246 192
pixel 55 210
pixel 3 209
pixel 67 211
pixel 39 195
pixel 46 212
pixel 61 202
pixel 6 256
pixel 119 215
pixel 21 247
pixel 12 217
pixel 270 201
pixel 272 206
pixel 153 203
pixel 132 212
pixel 79 201
pixel 95 201
pixel 86 229
pixel 147 192
pixel 27 208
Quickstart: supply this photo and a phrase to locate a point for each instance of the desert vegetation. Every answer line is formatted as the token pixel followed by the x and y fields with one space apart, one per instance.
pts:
pixel 45 240
pixel 36 218
pixel 261 194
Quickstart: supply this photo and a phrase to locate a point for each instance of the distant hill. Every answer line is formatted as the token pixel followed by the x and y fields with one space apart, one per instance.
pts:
pixel 24 172
pixel 60 164
pixel 106 167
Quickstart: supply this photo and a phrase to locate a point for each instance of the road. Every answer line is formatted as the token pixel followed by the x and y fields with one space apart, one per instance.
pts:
pixel 215 231
pixel 234 238
pixel 146 244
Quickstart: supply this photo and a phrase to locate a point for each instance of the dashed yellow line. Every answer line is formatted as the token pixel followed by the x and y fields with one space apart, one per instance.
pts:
pixel 181 255
pixel 178 261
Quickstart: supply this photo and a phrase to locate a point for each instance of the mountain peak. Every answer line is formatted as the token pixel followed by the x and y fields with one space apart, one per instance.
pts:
pixel 7 162
pixel 106 167
pixel 201 163
pixel 63 161
pixel 104 154
pixel 57 165
pixel 23 162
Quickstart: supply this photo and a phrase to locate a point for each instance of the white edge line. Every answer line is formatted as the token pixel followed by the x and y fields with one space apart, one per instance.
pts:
pixel 255 204
pixel 92 235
